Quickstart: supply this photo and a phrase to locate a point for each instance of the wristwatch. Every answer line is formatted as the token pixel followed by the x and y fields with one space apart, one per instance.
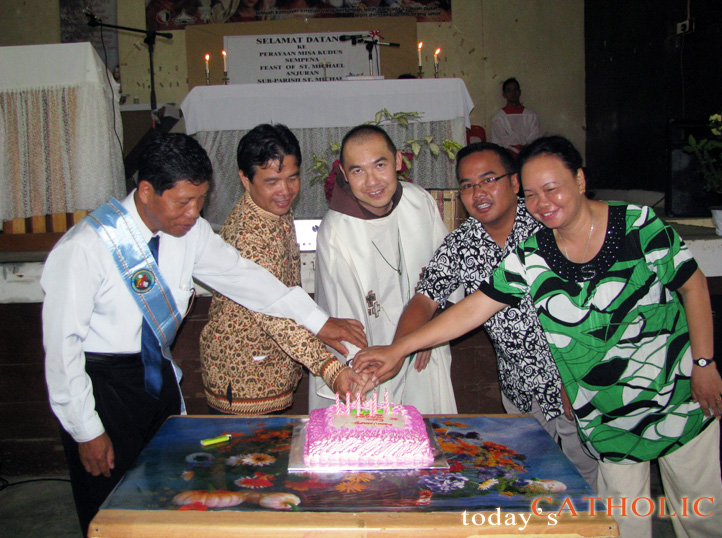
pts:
pixel 703 362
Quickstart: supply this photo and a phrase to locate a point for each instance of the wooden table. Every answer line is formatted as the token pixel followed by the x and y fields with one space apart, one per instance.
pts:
pixel 499 465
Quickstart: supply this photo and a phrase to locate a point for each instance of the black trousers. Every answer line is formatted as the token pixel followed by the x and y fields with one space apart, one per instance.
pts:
pixel 130 416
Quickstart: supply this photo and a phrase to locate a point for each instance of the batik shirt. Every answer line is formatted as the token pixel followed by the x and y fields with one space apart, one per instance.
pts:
pixel 526 368
pixel 617 330
pixel 252 362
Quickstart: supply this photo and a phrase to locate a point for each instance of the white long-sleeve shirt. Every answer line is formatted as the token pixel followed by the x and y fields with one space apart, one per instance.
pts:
pixel 515 130
pixel 88 307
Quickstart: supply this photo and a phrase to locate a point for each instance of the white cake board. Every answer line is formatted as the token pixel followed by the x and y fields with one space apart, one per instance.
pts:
pixel 297 465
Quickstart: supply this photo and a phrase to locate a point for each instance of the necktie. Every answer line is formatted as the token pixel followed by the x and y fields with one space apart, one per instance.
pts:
pixel 150 348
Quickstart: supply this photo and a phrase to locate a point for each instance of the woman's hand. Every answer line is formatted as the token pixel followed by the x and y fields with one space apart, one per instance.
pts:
pixel 707 389
pixel 383 362
pixel 350 382
pixel 567 405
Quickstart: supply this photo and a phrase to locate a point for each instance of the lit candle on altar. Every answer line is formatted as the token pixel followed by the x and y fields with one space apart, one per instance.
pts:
pixel 421 44
pixel 208 71
pixel 225 67
pixel 436 58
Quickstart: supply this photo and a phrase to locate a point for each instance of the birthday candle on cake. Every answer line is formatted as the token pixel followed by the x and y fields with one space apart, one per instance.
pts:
pixel 374 403
pixel 358 403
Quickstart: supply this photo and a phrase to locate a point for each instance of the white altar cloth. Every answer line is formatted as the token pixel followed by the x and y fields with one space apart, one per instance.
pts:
pixel 60 131
pixel 305 105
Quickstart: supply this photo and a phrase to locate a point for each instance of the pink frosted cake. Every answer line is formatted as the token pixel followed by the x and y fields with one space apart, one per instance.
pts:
pixel 362 434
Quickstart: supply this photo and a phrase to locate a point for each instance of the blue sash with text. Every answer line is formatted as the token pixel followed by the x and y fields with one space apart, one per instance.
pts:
pixel 139 272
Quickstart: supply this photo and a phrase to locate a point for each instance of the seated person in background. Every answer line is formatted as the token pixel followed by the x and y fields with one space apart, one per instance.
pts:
pixel 115 287
pixel 252 362
pixel 372 245
pixel 514 126
pixel 498 221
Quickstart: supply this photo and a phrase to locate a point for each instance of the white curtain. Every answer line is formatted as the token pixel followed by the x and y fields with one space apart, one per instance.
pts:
pixel 60 148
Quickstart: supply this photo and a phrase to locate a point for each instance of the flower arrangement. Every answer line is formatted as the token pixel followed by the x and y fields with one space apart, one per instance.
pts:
pixel 709 154
pixel 326 172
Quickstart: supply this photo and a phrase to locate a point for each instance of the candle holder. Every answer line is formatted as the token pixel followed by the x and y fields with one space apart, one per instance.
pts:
pixel 225 78
pixel 436 70
pixel 420 74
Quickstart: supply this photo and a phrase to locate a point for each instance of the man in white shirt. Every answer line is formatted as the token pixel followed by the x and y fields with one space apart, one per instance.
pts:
pixel 101 389
pixel 514 126
pixel 372 246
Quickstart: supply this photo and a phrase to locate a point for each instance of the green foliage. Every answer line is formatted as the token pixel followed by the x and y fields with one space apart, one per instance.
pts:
pixel 321 168
pixel 709 155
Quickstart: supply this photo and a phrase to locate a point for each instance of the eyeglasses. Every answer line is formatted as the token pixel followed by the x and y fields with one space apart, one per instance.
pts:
pixel 469 188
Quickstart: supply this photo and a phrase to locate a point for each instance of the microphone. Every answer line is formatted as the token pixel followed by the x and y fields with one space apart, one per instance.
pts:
pixel 351 37
pixel 92 19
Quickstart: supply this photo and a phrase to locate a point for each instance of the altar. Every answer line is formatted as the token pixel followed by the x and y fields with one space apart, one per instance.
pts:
pixel 506 476
pixel 317 113
pixel 60 131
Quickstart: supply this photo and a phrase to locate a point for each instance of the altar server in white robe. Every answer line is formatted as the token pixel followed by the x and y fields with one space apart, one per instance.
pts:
pixel 372 246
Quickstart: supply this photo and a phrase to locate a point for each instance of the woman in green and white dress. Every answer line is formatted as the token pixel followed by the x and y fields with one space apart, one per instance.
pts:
pixel 627 315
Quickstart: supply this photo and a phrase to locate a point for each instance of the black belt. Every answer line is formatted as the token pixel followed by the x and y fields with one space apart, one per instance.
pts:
pixel 112 358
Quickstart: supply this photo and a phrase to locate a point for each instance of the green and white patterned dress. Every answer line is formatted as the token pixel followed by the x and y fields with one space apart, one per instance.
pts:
pixel 617 330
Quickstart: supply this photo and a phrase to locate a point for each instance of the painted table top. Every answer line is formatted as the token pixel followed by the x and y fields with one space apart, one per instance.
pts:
pixel 498 466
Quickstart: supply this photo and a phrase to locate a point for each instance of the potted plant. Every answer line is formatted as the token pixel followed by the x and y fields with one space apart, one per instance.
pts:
pixel 709 155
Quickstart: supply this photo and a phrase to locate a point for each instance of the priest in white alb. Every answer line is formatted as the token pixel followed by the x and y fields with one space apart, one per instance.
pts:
pixel 372 246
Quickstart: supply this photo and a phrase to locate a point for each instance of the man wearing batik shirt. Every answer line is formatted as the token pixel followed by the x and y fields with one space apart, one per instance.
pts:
pixel 252 362
pixel 498 222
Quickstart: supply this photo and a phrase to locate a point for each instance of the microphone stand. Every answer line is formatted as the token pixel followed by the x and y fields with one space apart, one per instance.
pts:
pixel 371 43
pixel 149 40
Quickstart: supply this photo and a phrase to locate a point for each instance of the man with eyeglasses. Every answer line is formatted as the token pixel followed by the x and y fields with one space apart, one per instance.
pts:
pixel 498 222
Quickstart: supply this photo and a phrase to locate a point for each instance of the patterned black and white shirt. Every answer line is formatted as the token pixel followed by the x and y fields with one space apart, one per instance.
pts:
pixel 526 368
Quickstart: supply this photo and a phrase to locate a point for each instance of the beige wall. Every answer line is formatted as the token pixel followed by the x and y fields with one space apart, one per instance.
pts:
pixel 30 22
pixel 541 42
